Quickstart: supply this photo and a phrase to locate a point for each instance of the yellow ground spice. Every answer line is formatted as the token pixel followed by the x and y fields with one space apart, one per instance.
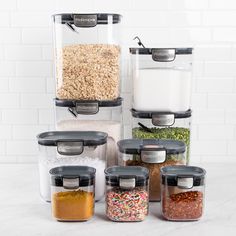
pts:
pixel 73 205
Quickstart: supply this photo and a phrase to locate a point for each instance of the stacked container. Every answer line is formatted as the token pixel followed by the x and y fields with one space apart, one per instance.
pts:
pixel 72 148
pixel 152 154
pixel 87 69
pixel 162 93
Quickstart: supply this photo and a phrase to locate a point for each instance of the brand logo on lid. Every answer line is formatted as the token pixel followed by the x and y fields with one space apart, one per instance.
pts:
pixel 163 119
pixel 163 55
pixel 85 20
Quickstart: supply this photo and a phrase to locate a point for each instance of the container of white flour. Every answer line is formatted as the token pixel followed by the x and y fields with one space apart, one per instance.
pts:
pixel 162 79
pixel 62 148
pixel 101 116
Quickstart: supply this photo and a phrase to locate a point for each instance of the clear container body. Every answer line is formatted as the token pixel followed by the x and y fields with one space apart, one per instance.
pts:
pixel 180 204
pixel 72 204
pixel 108 119
pixel 179 131
pixel 127 205
pixel 87 57
pixel 154 169
pixel 161 85
pixel 93 156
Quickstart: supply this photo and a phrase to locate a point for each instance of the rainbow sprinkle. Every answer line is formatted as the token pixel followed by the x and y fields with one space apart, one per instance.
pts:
pixel 127 205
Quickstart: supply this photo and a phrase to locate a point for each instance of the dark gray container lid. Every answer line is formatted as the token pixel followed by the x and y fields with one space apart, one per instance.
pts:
pixel 88 138
pixel 86 107
pixel 149 114
pixel 104 103
pixel 101 18
pixel 135 146
pixel 171 174
pixel 147 51
pixel 83 174
pixel 115 173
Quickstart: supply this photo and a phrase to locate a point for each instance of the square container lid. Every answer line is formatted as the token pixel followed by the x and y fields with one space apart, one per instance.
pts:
pixel 86 107
pixel 127 176
pixel 183 176
pixel 135 146
pixel 86 20
pixel 162 54
pixel 161 118
pixel 72 176
pixel 87 138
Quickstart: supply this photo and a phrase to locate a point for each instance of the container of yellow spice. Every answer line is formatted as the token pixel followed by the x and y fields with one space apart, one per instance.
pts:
pixel 72 192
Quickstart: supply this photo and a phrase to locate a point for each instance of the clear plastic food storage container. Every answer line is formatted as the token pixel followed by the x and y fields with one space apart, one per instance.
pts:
pixel 162 125
pixel 66 148
pixel 87 53
pixel 161 78
pixel 152 154
pixel 104 116
pixel 127 193
pixel 72 192
pixel 182 192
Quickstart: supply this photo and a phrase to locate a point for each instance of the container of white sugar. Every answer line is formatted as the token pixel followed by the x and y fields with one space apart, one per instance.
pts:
pixel 72 148
pixel 162 79
pixel 101 116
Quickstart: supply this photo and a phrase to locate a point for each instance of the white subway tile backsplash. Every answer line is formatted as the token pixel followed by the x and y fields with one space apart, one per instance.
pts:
pixel 9 101
pixel 2 148
pixel 219 18
pixel 47 52
pixel 232 148
pixel 221 5
pixel 29 19
pixel 188 4
pixel 4 85
pixel 27 85
pixel 10 36
pixel 37 100
pixel 230 116
pixel 7 69
pixel 199 100
pixel 212 53
pixel 222 85
pixel 9 5
pixel 150 5
pixel 30 69
pixel 5 132
pixel 216 132
pixel 208 116
pixel 46 116
pixel 27 148
pixel 207 148
pixel 224 101
pixel 27 132
pixel 22 53
pixel 19 116
pixel 4 19
pixel 224 34
pixel 36 36
pixel 220 69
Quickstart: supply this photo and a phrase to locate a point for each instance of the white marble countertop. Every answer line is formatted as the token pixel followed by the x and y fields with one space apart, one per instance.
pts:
pixel 23 213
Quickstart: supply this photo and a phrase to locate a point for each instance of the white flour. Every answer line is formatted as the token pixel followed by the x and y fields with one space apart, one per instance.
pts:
pixel 162 90
pixel 46 165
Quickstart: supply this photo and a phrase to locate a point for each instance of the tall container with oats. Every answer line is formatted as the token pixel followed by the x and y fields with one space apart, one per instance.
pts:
pixel 87 53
